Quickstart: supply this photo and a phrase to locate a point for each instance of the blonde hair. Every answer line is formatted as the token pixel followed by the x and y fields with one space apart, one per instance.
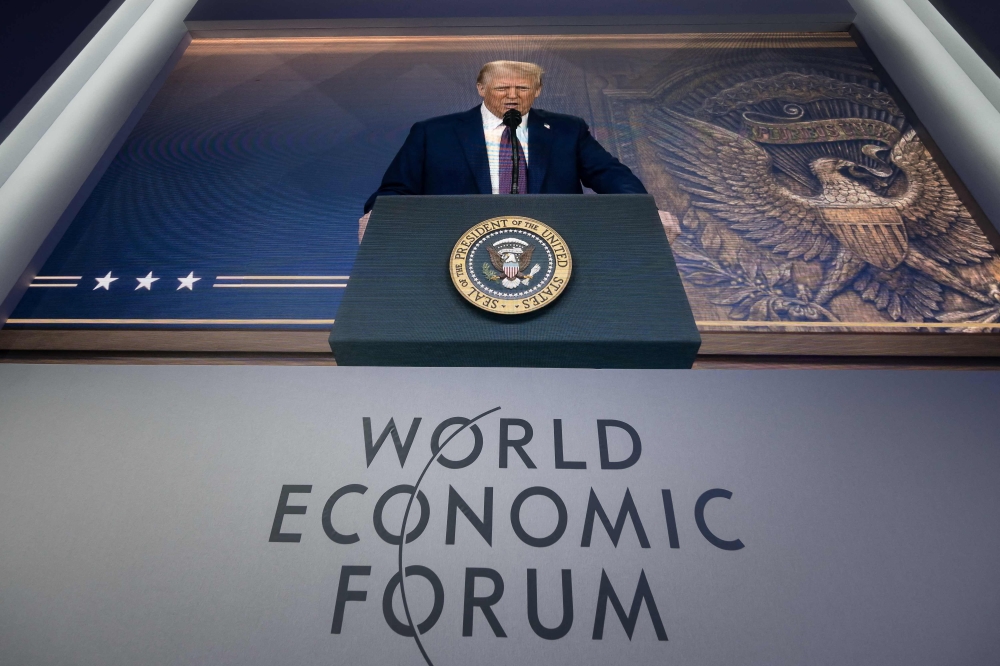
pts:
pixel 529 69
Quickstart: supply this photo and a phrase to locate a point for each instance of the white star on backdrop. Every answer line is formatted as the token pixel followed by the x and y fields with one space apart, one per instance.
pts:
pixel 104 282
pixel 146 282
pixel 187 282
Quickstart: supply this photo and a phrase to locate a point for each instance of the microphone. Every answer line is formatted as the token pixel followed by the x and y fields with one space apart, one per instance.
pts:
pixel 512 119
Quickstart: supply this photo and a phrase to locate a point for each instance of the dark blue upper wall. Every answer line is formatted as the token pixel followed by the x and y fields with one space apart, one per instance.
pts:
pixel 262 10
pixel 38 39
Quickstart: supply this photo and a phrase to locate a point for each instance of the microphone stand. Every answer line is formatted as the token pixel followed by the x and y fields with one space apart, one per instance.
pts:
pixel 512 119
pixel 515 154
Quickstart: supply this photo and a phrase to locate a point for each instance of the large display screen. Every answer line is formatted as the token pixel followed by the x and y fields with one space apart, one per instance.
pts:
pixel 800 198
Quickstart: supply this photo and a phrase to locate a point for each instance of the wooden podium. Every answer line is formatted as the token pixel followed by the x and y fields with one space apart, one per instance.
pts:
pixel 623 306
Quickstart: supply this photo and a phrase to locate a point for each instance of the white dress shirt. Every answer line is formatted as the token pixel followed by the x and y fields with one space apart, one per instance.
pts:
pixel 493 128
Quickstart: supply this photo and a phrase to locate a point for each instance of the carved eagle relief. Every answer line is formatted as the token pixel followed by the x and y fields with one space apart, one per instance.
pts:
pixel 848 224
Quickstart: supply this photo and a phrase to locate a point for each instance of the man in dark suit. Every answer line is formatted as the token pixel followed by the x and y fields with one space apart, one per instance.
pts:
pixel 469 152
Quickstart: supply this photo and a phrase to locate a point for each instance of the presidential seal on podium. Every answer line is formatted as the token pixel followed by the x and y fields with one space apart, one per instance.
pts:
pixel 510 265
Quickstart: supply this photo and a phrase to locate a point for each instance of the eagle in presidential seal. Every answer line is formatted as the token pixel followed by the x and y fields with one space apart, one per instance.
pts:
pixel 512 257
pixel 510 265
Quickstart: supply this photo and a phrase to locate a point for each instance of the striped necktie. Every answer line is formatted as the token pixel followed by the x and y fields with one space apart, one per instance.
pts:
pixel 507 166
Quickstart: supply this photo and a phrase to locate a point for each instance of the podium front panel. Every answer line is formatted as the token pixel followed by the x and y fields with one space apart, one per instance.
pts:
pixel 623 306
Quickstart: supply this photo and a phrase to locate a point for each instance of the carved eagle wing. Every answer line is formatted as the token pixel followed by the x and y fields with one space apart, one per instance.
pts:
pixel 733 177
pixel 495 259
pixel 936 220
pixel 526 258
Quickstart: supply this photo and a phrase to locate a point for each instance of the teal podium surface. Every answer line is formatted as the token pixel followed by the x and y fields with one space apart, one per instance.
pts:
pixel 623 305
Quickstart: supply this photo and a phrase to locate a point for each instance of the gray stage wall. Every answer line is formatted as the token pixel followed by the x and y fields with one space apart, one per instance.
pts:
pixel 139 504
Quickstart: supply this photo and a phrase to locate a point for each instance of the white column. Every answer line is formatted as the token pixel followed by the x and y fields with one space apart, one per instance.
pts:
pixel 966 57
pixel 964 122
pixel 49 155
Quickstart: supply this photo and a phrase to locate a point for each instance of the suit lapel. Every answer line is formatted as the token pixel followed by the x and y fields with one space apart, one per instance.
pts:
pixel 470 135
pixel 539 142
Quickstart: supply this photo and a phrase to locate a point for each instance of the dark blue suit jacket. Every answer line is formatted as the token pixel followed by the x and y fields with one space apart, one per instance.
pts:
pixel 447 155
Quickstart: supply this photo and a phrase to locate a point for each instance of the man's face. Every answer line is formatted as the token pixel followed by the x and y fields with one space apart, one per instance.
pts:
pixel 508 90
